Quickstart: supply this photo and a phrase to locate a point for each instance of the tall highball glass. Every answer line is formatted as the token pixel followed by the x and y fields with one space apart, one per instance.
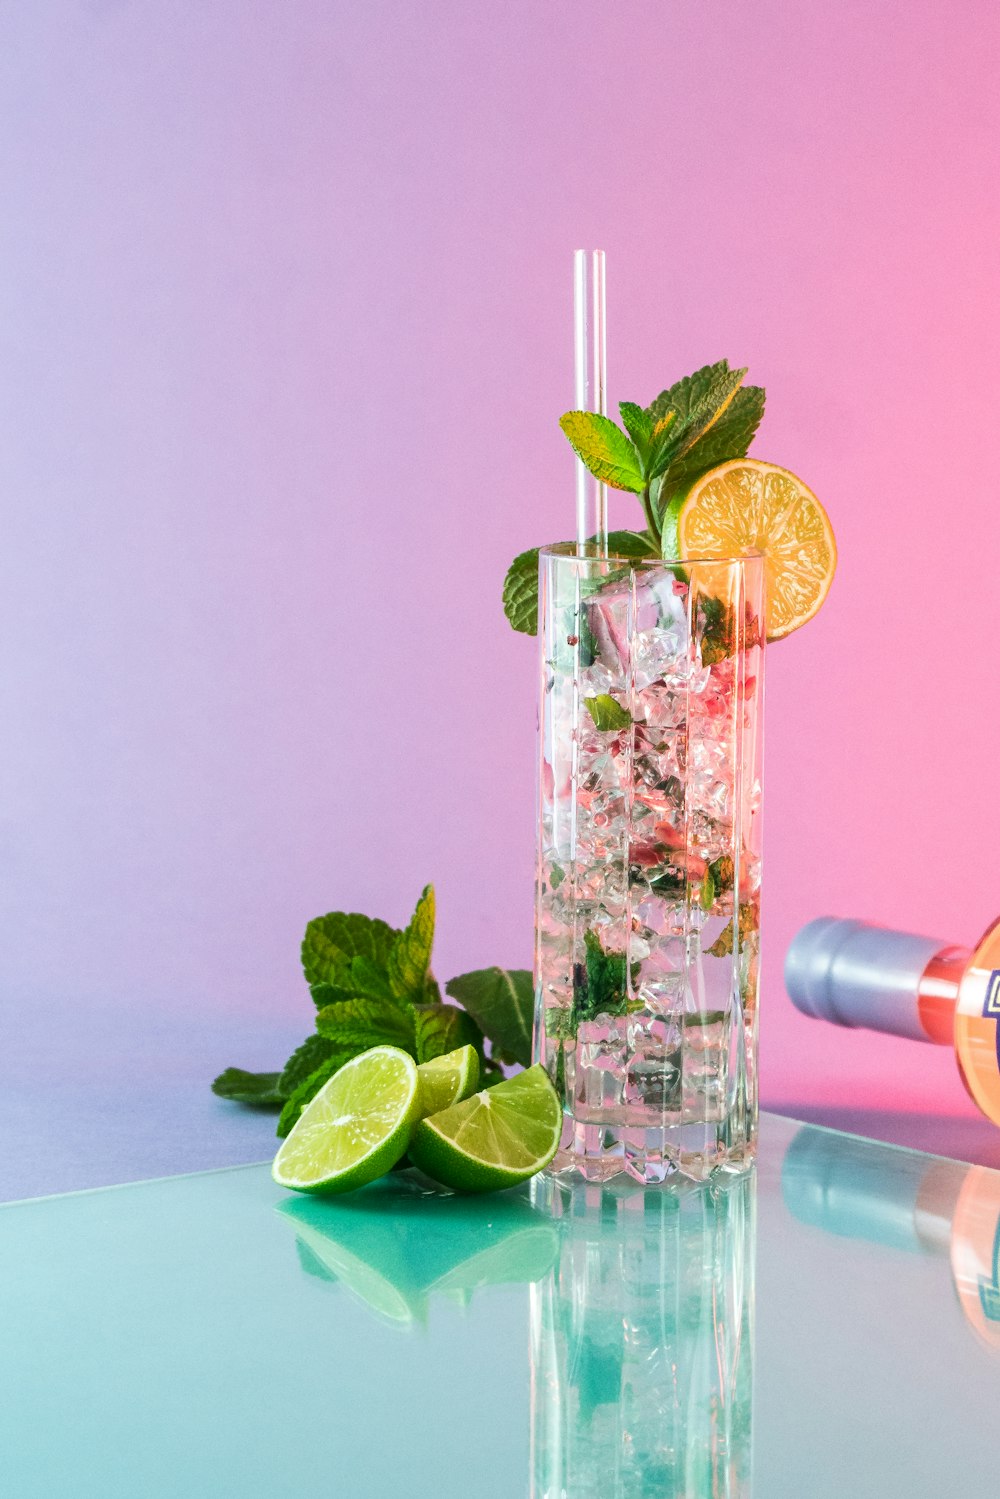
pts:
pixel 647 933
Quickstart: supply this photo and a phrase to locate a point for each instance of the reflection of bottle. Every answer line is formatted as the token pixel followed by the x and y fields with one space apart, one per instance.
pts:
pixel 642 1353
pixel 906 1201
pixel 860 975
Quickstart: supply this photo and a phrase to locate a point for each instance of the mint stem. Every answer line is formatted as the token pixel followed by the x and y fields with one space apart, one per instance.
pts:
pixel 647 510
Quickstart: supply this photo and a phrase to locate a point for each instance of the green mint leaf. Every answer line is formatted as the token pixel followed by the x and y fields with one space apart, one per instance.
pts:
pixel 357 1024
pixel 262 1089
pixel 520 587
pixel 722 871
pixel 502 1003
pixel 660 445
pixel 699 403
pixel 638 424
pixel 609 716
pixel 444 1028
pixel 604 448
pixel 307 1090
pixel 729 437
pixel 410 955
pixel 355 977
pixel 330 994
pixel 331 941
pixel 556 876
pixel 304 1060
pixel 706 892
pixel 605 990
pixel 709 412
pixel 686 395
pixel 631 544
pixel 520 592
pixel 370 980
pixel 685 434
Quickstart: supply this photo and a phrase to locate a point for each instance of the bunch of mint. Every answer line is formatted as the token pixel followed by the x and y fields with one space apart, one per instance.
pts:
pixel 372 985
pixel 704 420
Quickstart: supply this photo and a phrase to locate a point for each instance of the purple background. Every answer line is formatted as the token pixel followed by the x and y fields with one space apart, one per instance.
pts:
pixel 286 330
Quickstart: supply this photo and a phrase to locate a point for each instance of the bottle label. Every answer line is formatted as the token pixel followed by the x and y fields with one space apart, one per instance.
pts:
pixel 991 1004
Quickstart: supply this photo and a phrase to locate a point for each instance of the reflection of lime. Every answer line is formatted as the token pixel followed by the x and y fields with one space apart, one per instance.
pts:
pixel 448 1079
pixel 401 1241
pixel 392 1302
pixel 495 1139
pixel 357 1126
pixel 524 1256
pixel 745 507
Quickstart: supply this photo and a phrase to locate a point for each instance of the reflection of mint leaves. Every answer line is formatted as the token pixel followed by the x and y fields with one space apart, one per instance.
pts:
pixel 501 1001
pixel 372 985
pixel 520 588
pixel 691 427
pixel 608 714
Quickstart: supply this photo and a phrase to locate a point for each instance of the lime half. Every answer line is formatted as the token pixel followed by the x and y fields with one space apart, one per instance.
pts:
pixel 495 1139
pixel 357 1126
pixel 448 1079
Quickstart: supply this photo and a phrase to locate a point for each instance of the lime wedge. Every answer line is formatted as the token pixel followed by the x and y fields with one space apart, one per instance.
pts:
pixel 357 1126
pixel 448 1079
pixel 495 1139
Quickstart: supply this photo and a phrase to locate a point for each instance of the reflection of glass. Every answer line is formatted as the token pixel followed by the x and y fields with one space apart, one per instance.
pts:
pixel 648 880
pixel 397 1247
pixel 922 1204
pixel 642 1343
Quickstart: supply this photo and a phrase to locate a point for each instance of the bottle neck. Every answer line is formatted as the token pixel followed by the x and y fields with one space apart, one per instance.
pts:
pixel 937 993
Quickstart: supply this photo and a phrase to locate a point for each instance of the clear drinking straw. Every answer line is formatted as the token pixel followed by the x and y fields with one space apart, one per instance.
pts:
pixel 590 349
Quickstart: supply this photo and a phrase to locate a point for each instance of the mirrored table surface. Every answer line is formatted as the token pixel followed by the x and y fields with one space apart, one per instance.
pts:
pixel 828 1325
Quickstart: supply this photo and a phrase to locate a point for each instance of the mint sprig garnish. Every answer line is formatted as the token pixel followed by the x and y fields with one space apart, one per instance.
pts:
pixel 520 588
pixel 606 450
pixel 658 453
pixel 372 985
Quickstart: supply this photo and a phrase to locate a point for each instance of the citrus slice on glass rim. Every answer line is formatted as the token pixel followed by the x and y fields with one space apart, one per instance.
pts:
pixel 746 507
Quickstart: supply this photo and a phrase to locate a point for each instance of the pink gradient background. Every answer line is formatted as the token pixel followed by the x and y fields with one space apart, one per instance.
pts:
pixel 286 330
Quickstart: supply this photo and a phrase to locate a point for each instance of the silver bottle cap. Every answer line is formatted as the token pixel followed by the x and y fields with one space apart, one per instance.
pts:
pixel 856 974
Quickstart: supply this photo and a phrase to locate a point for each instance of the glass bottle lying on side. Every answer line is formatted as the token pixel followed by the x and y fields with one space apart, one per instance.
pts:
pixel 856 974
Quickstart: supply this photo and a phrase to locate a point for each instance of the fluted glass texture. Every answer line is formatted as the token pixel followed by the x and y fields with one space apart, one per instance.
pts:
pixel 647 934
pixel 642 1343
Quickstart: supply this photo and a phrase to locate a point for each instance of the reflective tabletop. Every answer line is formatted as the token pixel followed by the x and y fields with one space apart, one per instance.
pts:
pixel 829 1325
